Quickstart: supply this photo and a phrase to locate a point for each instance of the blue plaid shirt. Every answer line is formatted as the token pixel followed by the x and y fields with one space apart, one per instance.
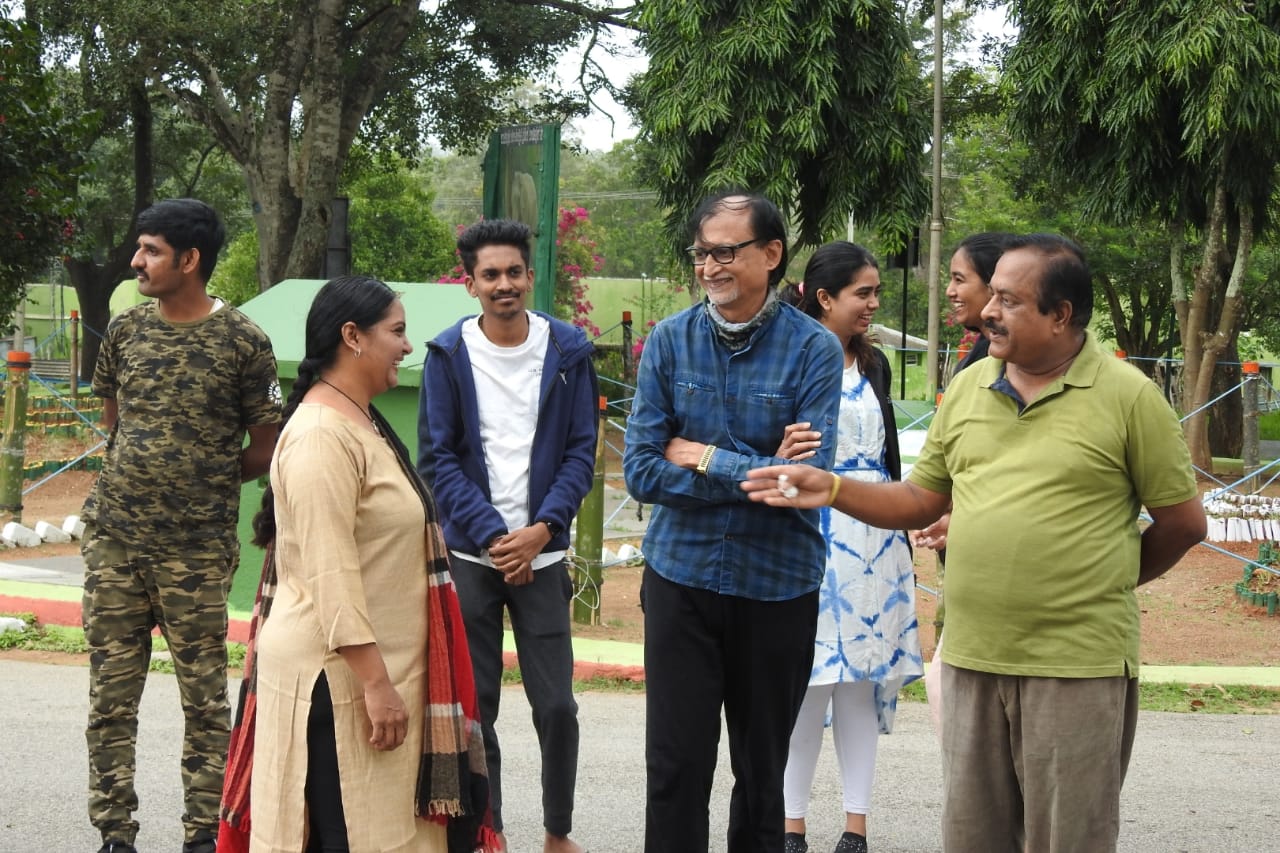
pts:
pixel 704 532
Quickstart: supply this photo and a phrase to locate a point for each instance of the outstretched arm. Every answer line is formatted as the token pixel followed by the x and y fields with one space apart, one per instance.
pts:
pixel 664 450
pixel 892 506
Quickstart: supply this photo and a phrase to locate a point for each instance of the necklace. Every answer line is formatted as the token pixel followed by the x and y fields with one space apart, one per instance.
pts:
pixel 362 409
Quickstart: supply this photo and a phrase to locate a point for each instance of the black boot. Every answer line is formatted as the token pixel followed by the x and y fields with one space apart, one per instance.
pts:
pixel 203 841
pixel 117 847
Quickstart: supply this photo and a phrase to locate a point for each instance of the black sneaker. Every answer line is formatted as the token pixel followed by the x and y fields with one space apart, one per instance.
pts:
pixel 117 847
pixel 793 842
pixel 851 842
pixel 204 841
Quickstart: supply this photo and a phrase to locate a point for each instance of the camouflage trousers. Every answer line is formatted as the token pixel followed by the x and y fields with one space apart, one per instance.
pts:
pixel 128 592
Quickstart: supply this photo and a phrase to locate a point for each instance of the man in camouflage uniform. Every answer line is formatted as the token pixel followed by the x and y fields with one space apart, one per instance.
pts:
pixel 183 378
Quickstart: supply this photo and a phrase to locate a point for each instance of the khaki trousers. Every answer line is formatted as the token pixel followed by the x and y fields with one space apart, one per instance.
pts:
pixel 1032 764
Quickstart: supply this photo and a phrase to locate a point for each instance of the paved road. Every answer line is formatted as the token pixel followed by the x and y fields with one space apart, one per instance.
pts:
pixel 1198 783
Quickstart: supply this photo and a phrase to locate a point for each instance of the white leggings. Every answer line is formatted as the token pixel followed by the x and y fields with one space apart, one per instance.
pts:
pixel 855 729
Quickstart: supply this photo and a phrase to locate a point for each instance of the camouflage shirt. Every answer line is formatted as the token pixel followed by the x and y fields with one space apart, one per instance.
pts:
pixel 186 393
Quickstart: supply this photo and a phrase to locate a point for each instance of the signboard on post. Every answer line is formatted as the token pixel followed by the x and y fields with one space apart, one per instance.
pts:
pixel 522 181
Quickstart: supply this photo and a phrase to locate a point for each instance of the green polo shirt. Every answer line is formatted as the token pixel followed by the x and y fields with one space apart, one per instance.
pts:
pixel 1043 548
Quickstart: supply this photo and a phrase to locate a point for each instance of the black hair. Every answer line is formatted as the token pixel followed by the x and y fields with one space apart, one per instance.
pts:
pixel 349 299
pixel 186 223
pixel 493 232
pixel 983 250
pixel 766 221
pixel 832 268
pixel 1065 276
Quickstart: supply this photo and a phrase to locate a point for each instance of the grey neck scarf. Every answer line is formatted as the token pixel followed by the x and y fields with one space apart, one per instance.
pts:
pixel 736 336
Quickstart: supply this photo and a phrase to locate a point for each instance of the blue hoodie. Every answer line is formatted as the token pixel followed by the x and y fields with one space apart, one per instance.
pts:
pixel 451 455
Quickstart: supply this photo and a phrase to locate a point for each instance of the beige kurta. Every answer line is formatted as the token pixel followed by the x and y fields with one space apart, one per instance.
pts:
pixel 350 565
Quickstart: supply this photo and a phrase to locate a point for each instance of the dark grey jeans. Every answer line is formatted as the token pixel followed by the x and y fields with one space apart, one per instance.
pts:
pixel 540 622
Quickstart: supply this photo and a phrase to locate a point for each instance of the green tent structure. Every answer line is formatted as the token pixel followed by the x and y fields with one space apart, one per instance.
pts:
pixel 282 314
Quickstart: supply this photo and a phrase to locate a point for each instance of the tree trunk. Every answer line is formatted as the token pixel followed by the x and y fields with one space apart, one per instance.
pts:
pixel 1212 343
pixel 320 84
pixel 94 283
pixel 1226 434
pixel 1199 358
pixel 1176 387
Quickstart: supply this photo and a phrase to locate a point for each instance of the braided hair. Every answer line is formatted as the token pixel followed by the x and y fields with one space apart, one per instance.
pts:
pixel 357 299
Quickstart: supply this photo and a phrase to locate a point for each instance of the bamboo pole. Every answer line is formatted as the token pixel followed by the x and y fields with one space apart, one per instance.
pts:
pixel 589 542
pixel 13 447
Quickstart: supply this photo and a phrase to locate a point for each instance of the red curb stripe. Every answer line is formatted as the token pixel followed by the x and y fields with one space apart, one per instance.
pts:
pixel 48 612
pixel 67 613
pixel 587 670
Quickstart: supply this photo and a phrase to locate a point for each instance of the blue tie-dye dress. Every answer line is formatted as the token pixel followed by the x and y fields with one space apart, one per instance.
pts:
pixel 867 608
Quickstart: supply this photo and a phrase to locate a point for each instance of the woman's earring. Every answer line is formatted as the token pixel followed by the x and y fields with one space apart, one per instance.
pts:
pixel 358 353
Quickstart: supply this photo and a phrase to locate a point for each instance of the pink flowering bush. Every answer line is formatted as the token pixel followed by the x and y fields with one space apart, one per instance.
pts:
pixel 637 349
pixel 576 259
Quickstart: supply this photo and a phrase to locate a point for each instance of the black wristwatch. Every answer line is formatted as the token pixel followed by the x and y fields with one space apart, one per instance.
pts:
pixel 555 529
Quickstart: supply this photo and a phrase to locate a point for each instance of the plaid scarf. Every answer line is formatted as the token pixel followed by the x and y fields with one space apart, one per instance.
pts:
pixel 452 787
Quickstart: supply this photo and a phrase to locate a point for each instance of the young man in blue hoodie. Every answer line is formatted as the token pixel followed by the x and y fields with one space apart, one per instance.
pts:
pixel 506 438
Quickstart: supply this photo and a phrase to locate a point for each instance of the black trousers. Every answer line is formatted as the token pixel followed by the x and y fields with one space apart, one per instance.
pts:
pixel 704 651
pixel 540 622
pixel 327 823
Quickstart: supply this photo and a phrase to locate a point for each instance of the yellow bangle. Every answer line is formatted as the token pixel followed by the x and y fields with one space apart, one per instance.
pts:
pixel 705 461
pixel 835 488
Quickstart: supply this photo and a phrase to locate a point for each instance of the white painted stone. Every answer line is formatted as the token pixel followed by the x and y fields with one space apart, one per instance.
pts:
pixel 22 537
pixel 51 534
pixel 73 527
pixel 9 623
pixel 628 552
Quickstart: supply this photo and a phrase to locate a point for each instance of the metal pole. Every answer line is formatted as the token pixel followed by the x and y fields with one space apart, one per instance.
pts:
pixel 13 451
pixel 935 223
pixel 644 300
pixel 902 348
pixel 589 542
pixel 75 355
pixel 628 358
pixel 1250 455
pixel 20 321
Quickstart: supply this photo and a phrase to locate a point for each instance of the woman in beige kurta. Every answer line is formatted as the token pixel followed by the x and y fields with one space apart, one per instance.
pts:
pixel 350 603
pixel 349 557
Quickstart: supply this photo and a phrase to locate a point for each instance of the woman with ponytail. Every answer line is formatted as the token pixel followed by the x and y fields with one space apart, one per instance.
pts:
pixel 868 645
pixel 356 743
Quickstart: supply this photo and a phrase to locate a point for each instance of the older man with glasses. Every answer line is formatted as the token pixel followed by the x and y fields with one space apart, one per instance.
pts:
pixel 730 590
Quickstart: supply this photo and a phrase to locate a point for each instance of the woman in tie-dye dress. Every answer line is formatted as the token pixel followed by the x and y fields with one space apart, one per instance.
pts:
pixel 867 642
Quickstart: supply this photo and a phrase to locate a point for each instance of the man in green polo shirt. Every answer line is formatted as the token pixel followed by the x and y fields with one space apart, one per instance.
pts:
pixel 1047 452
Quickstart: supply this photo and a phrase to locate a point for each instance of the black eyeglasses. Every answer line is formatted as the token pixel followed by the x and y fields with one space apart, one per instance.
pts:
pixel 719 254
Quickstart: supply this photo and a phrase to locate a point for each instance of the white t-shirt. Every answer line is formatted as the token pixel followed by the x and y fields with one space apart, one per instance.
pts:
pixel 508 384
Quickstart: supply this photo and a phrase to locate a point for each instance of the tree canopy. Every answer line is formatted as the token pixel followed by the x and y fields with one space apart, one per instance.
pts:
pixel 40 157
pixel 286 88
pixel 394 234
pixel 1169 109
pixel 819 104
